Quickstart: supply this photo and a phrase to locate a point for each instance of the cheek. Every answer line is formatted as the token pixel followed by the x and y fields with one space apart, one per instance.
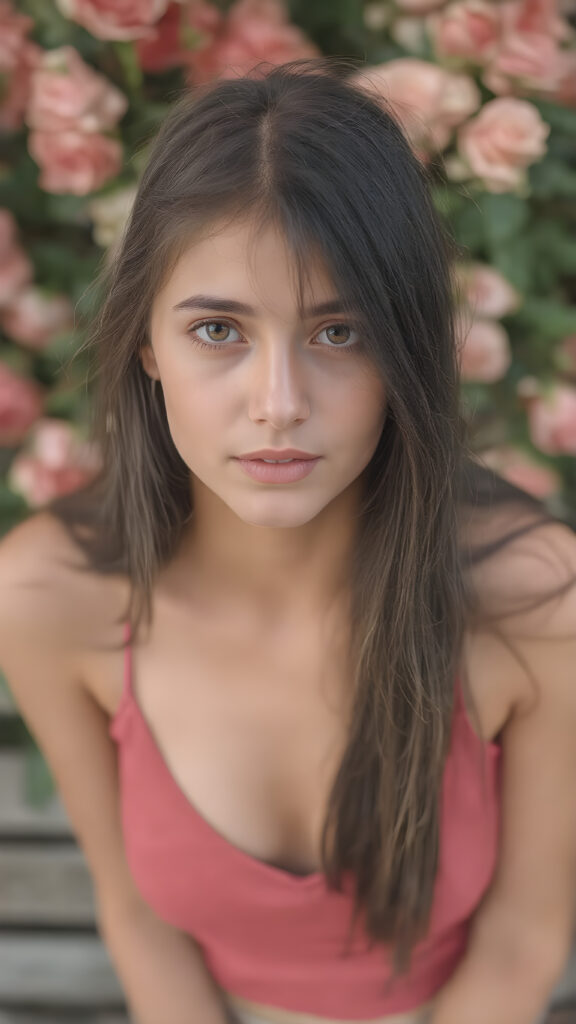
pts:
pixel 200 419
pixel 362 409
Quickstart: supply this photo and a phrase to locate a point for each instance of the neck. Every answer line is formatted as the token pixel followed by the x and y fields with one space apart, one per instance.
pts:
pixel 278 571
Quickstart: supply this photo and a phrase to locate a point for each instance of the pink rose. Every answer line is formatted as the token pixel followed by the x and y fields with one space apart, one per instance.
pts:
pixel 167 46
pixel 73 162
pixel 254 31
pixel 427 100
pixel 14 28
pixel 67 94
pixel 163 48
pixel 419 6
pixel 469 29
pixel 487 292
pixel 8 231
pixel 33 318
pixel 20 406
pixel 501 141
pixel 535 16
pixel 522 470
pixel 530 62
pixel 552 421
pixel 485 350
pixel 15 267
pixel 16 87
pixel 567 354
pixel 114 19
pixel 55 463
pixel 528 58
pixel 566 91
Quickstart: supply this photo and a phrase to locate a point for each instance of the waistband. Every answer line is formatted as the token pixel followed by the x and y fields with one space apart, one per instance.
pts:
pixel 243 1012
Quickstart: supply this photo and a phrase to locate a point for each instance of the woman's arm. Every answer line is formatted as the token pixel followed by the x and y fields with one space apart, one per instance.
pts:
pixel 162 970
pixel 42 636
pixel 523 931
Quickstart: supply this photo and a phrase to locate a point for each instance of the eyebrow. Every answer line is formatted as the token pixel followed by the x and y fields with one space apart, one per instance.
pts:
pixel 232 306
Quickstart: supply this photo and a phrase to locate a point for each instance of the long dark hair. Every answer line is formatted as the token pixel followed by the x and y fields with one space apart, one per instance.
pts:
pixel 301 146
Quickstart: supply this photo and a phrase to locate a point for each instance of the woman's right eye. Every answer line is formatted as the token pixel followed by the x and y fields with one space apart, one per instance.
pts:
pixel 220 334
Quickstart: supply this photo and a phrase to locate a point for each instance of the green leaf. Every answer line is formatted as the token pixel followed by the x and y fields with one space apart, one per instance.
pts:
pixel 514 258
pixel 553 178
pixel 558 117
pixel 555 246
pixel 547 319
pixel 446 200
pixel 39 784
pixel 128 58
pixel 468 226
pixel 13 507
pixel 4 688
pixel 504 216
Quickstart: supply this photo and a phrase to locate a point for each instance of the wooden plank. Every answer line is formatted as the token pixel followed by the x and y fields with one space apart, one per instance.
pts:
pixel 25 1017
pixel 44 970
pixel 17 817
pixel 43 883
pixel 565 991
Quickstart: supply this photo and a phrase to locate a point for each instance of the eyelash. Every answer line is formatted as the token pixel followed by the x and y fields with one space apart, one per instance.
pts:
pixel 215 345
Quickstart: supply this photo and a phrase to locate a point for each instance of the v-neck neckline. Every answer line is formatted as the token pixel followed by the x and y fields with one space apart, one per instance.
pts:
pixel 302 881
pixel 255 863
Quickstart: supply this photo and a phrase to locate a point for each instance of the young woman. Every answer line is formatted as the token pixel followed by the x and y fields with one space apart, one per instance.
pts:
pixel 293 658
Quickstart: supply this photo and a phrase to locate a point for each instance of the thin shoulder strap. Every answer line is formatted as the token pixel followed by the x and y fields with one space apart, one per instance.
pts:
pixel 127 687
pixel 127 683
pixel 126 701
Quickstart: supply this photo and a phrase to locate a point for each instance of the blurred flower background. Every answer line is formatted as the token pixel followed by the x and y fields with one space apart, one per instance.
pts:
pixel 486 93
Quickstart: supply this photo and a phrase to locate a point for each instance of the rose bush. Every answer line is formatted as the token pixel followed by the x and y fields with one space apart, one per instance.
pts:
pixel 486 93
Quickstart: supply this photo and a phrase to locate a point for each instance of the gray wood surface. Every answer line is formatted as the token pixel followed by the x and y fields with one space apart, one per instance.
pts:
pixel 49 970
pixel 565 991
pixel 17 817
pixel 26 1017
pixel 44 883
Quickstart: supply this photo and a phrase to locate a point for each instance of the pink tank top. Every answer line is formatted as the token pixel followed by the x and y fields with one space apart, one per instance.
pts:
pixel 277 938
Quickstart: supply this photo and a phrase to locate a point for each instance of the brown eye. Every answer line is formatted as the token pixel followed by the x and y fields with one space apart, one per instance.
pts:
pixel 217 331
pixel 339 335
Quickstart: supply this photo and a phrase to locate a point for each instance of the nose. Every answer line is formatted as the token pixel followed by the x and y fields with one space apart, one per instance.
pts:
pixel 278 388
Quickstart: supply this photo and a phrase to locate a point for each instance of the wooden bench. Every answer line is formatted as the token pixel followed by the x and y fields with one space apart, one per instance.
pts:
pixel 54 968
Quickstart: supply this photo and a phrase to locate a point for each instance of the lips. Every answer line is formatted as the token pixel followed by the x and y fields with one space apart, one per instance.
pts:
pixel 278 456
pixel 277 472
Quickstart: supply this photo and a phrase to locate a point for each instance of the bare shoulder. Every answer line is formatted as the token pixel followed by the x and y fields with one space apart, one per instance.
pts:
pixel 52 612
pixel 527 587
pixel 528 584
pixel 47 587
pixel 530 905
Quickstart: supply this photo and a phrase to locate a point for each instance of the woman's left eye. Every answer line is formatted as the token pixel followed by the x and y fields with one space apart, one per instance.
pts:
pixel 342 338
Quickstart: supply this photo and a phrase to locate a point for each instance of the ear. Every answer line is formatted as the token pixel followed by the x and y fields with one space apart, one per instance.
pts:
pixel 149 363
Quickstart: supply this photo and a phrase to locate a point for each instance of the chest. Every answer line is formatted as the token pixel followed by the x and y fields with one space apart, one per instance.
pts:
pixel 252 731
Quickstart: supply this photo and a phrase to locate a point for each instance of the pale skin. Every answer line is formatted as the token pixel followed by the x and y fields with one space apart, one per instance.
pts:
pixel 245 654
pixel 268 381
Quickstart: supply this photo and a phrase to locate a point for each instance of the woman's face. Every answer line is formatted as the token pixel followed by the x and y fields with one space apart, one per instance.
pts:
pixel 260 377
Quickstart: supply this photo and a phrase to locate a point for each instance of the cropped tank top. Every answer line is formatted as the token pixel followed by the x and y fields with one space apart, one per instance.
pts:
pixel 277 938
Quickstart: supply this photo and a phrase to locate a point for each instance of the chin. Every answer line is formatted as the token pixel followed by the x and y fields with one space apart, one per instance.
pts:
pixel 279 518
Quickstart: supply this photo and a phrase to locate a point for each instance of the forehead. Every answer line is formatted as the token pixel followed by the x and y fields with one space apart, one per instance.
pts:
pixel 246 260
